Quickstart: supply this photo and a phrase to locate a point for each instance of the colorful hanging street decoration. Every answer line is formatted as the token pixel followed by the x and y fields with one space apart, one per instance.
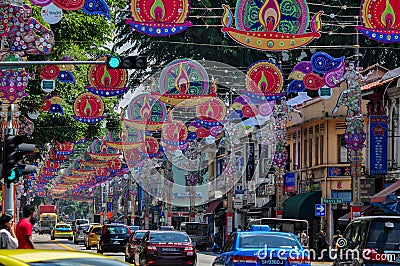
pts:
pixel 52 14
pixel 264 83
pixel 209 117
pixel 63 73
pixel 65 148
pixel 106 82
pixel 145 112
pixel 271 25
pixel 13 81
pixel 380 20
pixel 23 33
pixel 102 152
pixel 52 105
pixel 89 108
pixel 159 17
pixel 120 140
pixel 185 83
pixel 150 147
pixel 57 158
pixel 174 135
pixel 307 74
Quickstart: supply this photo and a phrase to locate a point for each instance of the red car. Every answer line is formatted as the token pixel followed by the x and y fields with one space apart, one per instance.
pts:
pixel 165 248
pixel 134 240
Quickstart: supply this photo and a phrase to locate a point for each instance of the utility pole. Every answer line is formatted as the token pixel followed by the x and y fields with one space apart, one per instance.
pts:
pixel 9 187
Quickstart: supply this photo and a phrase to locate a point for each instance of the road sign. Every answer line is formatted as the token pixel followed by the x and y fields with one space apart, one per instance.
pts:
pixel 332 201
pixel 320 210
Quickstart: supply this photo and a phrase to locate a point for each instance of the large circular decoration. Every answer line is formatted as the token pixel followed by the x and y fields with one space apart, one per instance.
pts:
pixel 290 16
pixel 214 109
pixel 174 132
pixel 381 20
pixel 264 77
pixel 184 76
pixel 106 82
pixel 88 108
pixel 145 107
pixel 49 72
pixel 69 4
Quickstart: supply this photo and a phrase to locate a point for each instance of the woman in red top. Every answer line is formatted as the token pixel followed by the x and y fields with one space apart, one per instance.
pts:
pixel 24 229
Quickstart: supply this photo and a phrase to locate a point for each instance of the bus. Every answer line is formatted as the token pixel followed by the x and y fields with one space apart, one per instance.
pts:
pixel 47 222
pixel 293 226
pixel 198 232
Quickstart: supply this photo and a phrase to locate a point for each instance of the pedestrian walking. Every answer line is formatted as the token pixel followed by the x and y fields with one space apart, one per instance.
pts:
pixel 8 240
pixel 335 238
pixel 322 246
pixel 304 238
pixel 24 228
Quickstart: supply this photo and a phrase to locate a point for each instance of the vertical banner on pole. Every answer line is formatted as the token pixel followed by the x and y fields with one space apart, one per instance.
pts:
pixel 378 145
pixel 250 160
pixel 229 224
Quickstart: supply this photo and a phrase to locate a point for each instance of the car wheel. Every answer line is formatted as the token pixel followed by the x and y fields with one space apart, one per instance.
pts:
pixel 88 247
pixel 70 239
pixel 52 238
pixel 99 251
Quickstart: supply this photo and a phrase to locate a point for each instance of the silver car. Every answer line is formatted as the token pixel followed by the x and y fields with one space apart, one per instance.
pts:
pixel 79 235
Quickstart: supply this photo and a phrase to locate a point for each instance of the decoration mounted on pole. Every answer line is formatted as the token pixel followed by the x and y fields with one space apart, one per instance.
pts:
pixel 355 135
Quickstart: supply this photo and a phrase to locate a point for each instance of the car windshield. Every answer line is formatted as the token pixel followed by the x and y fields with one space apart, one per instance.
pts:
pixel 117 230
pixel 267 240
pixel 96 230
pixel 384 238
pixel 139 235
pixel 63 226
pixel 78 262
pixel 168 237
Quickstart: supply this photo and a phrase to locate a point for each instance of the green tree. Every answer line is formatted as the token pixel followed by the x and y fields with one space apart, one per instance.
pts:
pixel 81 37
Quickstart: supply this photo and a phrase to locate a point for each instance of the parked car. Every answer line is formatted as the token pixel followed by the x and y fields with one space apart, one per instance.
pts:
pixel 92 236
pixel 134 240
pixel 114 238
pixel 79 234
pixel 133 228
pixel 261 246
pixel 61 230
pixel 165 248
pixel 370 240
pixel 26 257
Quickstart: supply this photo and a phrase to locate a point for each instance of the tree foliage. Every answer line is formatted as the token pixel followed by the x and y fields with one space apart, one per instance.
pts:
pixel 81 37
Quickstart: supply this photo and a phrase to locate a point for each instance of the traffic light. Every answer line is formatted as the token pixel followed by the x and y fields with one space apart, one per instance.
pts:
pixel 126 62
pixel 13 152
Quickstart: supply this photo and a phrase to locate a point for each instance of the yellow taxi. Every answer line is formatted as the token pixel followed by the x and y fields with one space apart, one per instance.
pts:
pixel 62 230
pixel 25 257
pixel 92 237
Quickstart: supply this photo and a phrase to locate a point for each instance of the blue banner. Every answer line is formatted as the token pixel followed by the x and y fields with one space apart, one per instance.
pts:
pixel 378 143
pixel 290 182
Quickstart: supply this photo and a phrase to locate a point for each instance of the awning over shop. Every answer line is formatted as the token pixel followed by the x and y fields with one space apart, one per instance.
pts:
pixel 269 204
pixel 212 206
pixel 302 206
pixel 365 210
pixel 383 195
